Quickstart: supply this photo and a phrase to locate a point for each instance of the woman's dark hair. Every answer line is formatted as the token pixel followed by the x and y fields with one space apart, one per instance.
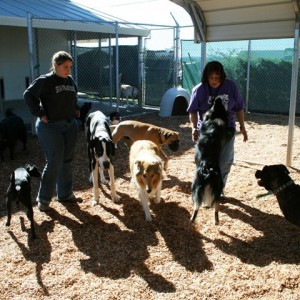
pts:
pixel 213 67
pixel 60 57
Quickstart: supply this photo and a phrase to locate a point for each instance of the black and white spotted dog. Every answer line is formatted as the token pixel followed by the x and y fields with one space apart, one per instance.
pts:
pixel 100 152
pixel 207 185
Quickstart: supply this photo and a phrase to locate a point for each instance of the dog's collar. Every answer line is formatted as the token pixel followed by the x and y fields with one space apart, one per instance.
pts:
pixel 284 186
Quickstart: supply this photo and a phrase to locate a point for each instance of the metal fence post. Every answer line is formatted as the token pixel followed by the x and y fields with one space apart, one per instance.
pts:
pixel 141 75
pixel 30 47
pixel 248 75
pixel 293 97
pixel 118 79
pixel 31 61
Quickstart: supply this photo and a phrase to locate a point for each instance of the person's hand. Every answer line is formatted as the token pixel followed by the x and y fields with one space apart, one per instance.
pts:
pixel 195 135
pixel 44 119
pixel 244 133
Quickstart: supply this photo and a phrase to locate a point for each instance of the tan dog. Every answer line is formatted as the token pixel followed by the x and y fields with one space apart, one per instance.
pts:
pixel 146 172
pixel 131 131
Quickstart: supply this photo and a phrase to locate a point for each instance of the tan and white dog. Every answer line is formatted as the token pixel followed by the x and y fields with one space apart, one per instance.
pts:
pixel 146 172
pixel 131 131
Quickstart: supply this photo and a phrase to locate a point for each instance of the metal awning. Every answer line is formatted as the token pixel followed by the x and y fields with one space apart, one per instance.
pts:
pixel 66 15
pixel 229 20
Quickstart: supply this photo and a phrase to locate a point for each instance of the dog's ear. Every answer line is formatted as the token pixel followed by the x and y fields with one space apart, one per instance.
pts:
pixel 258 174
pixel 284 169
pixel 138 168
pixel 157 167
pixel 111 148
pixel 29 168
pixel 167 135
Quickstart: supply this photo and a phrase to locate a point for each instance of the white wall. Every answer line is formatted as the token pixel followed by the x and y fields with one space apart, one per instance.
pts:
pixel 14 56
pixel 13 60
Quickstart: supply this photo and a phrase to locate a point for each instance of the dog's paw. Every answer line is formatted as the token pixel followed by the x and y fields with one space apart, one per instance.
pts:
pixel 157 200
pixel 104 181
pixel 148 218
pixel 95 202
pixel 115 198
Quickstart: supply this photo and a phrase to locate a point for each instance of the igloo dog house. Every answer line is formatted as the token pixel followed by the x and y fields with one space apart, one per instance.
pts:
pixel 174 102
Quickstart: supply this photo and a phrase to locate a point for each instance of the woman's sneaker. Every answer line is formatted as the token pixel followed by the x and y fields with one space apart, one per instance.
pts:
pixel 43 207
pixel 71 199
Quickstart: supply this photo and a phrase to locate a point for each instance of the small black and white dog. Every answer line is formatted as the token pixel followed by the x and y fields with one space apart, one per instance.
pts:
pixel 275 178
pixel 84 109
pixel 207 185
pixel 19 190
pixel 12 129
pixel 100 151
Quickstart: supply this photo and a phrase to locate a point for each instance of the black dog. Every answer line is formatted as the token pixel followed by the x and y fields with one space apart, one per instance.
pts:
pixel 84 109
pixel 207 186
pixel 19 190
pixel 114 118
pixel 12 129
pixel 275 178
pixel 100 151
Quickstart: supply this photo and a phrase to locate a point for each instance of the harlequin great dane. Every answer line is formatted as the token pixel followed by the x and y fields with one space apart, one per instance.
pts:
pixel 100 151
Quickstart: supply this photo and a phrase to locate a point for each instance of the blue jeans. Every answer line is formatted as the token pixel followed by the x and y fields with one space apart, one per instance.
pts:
pixel 226 159
pixel 58 140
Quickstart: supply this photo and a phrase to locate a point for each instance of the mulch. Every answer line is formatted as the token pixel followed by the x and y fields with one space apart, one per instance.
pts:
pixel 109 251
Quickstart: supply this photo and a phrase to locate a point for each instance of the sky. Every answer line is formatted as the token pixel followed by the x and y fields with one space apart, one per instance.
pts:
pixel 163 12
pixel 142 11
pixel 147 12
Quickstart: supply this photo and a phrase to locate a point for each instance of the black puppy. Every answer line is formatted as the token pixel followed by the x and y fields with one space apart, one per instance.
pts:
pixel 12 128
pixel 19 190
pixel 114 118
pixel 207 185
pixel 275 178
pixel 84 109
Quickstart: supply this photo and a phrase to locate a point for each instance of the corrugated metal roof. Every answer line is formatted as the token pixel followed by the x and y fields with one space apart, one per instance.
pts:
pixel 221 20
pixel 15 13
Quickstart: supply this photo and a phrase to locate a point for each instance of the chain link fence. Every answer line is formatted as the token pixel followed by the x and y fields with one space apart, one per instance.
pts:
pixel 261 68
pixel 104 62
pixel 156 63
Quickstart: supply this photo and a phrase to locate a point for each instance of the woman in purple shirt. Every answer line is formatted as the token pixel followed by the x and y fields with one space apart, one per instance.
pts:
pixel 214 83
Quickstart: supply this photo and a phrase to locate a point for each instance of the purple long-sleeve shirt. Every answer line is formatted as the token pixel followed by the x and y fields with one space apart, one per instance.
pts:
pixel 203 95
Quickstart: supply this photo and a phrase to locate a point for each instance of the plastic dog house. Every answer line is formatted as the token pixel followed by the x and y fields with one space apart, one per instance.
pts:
pixel 174 102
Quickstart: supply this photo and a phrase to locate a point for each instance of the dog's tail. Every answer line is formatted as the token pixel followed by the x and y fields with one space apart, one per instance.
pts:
pixel 195 212
pixel 206 190
pixel 13 185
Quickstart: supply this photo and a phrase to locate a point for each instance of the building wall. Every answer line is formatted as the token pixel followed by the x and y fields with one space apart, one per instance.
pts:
pixel 14 57
pixel 13 60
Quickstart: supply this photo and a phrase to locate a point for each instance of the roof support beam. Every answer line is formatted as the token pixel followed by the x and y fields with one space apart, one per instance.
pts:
pixel 294 84
pixel 197 16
